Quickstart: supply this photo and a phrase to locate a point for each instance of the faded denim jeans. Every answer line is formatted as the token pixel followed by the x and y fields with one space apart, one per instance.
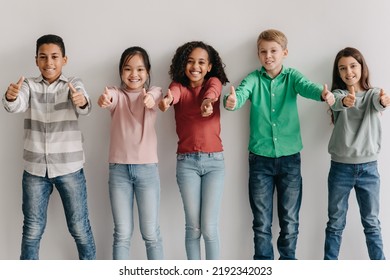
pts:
pixel 73 192
pixel 142 182
pixel 364 178
pixel 200 177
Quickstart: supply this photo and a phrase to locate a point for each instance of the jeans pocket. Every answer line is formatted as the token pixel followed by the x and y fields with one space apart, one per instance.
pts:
pixel 218 156
pixel 180 157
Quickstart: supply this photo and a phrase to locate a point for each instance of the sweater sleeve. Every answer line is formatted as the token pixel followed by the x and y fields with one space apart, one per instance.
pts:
pixel 213 88
pixel 175 91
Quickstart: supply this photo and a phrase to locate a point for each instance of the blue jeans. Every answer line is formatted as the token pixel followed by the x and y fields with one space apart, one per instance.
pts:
pixel 266 174
pixel 141 181
pixel 73 192
pixel 364 178
pixel 200 177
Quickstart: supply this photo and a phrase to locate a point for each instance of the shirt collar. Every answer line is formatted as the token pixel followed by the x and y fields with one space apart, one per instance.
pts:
pixel 60 78
pixel 264 72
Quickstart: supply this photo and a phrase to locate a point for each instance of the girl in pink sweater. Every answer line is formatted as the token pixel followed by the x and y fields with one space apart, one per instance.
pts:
pixel 133 169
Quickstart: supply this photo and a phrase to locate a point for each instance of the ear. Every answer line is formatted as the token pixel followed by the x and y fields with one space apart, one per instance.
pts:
pixel 285 52
pixel 65 60
pixel 209 68
pixel 36 60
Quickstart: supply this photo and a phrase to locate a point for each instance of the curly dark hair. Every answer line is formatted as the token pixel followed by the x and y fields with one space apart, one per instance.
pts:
pixel 179 62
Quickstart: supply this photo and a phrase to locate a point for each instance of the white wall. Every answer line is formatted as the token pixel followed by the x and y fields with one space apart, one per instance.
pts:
pixel 96 33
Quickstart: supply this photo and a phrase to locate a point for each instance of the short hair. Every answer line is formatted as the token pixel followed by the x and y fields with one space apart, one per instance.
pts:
pixel 51 39
pixel 273 35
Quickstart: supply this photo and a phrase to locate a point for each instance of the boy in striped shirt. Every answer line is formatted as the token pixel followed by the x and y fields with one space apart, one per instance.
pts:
pixel 53 153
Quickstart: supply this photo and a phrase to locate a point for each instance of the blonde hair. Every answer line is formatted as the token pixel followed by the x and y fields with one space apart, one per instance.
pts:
pixel 273 35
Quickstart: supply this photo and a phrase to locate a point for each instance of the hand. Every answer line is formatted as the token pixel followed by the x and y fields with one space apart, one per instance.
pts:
pixel 206 109
pixel 327 96
pixel 166 101
pixel 231 100
pixel 77 97
pixel 105 99
pixel 13 90
pixel 148 99
pixel 384 98
pixel 349 100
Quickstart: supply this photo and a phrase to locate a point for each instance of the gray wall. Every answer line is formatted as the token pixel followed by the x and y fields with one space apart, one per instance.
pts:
pixel 95 35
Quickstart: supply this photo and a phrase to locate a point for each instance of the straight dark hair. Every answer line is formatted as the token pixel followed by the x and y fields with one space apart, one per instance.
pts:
pixel 128 54
pixel 51 39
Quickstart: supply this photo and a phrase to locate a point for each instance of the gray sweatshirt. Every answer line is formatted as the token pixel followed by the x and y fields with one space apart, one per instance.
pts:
pixel 356 137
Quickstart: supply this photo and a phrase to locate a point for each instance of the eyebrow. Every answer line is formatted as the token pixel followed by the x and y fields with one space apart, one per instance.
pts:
pixel 42 53
pixel 353 63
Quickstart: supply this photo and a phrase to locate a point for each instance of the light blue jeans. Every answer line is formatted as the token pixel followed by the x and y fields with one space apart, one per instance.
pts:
pixel 73 193
pixel 266 175
pixel 141 181
pixel 200 177
pixel 364 178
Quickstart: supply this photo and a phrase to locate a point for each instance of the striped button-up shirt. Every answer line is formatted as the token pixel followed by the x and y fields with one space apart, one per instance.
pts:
pixel 52 138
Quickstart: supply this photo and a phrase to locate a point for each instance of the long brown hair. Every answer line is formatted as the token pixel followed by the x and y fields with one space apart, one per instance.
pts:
pixel 337 82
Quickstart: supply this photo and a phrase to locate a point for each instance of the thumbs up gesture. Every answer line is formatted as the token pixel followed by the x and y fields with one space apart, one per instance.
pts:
pixel 13 90
pixel 105 99
pixel 231 99
pixel 77 97
pixel 166 101
pixel 206 109
pixel 148 99
pixel 327 96
pixel 349 100
pixel 384 98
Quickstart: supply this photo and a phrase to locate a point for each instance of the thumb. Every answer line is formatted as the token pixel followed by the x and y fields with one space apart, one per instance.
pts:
pixel 352 91
pixel 72 88
pixel 325 87
pixel 144 92
pixel 169 94
pixel 107 93
pixel 209 101
pixel 232 91
pixel 382 93
pixel 20 82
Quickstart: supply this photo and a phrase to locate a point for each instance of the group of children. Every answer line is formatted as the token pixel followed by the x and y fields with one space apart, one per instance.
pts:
pixel 54 157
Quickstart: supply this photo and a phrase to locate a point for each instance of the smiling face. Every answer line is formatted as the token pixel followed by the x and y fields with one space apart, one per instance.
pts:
pixel 134 74
pixel 197 67
pixel 350 72
pixel 50 61
pixel 271 55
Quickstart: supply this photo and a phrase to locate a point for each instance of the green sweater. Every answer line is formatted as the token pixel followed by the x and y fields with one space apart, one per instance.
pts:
pixel 356 136
pixel 274 121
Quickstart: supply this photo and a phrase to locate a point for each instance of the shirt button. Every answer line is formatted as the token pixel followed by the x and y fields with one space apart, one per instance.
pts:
pixel 276 139
pixel 273 110
pixel 274 124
